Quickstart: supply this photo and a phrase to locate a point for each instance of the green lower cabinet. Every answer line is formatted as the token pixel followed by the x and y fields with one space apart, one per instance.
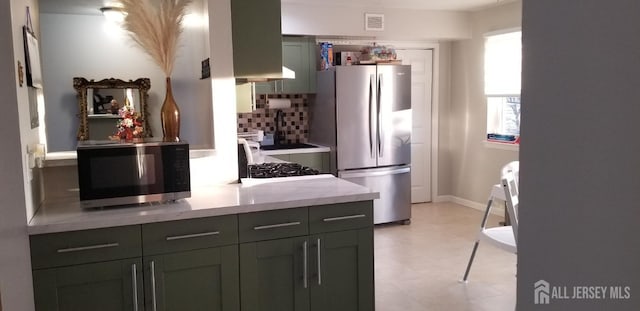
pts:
pixel 312 160
pixel 272 275
pixel 283 157
pixel 200 280
pixel 105 286
pixel 338 277
pixel 345 281
pixel 316 160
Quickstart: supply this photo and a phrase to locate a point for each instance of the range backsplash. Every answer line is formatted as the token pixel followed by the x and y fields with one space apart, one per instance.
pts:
pixel 296 118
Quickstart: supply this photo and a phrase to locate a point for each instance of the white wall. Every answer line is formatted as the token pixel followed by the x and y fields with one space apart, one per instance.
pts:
pixel 89 46
pixel 579 180
pixel 443 177
pixel 15 267
pixel 400 24
pixel 474 168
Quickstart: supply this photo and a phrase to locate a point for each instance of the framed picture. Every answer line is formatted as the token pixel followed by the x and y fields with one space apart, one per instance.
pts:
pixel 32 59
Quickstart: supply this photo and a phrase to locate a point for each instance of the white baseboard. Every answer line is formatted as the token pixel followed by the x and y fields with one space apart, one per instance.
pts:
pixel 498 208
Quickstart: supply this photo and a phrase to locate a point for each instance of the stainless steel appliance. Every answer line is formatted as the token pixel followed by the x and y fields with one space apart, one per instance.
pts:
pixel 364 114
pixel 117 173
pixel 273 170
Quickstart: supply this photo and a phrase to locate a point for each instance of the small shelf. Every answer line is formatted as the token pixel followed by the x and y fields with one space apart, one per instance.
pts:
pixel 501 146
pixel 104 116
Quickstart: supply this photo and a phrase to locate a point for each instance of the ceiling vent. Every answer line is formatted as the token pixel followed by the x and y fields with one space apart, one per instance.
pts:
pixel 374 22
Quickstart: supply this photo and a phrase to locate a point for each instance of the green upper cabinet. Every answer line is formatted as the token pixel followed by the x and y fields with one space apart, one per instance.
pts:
pixel 297 55
pixel 257 38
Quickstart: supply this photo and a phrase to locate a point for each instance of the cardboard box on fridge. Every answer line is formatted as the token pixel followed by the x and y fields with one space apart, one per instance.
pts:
pixel 326 55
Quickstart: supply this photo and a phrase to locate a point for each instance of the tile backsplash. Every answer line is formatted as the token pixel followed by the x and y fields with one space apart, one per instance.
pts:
pixel 296 118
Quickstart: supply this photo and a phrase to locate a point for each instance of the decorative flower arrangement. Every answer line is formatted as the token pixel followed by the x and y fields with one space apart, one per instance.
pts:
pixel 130 126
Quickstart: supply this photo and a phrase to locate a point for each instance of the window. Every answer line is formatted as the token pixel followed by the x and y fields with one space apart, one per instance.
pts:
pixel 502 74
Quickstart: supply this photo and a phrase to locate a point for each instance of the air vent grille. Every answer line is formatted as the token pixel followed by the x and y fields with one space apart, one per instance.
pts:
pixel 374 22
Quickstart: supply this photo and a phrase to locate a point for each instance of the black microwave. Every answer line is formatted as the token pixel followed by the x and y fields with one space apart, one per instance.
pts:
pixel 121 173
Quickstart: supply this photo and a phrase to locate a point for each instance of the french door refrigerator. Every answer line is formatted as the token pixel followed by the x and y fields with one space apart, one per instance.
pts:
pixel 364 114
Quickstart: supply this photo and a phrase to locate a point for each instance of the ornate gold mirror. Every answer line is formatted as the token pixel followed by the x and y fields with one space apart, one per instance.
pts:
pixel 100 102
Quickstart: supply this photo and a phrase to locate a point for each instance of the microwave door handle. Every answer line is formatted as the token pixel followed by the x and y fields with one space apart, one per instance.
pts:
pixel 371 86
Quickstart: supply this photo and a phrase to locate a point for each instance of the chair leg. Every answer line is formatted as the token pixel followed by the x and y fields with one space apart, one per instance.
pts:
pixel 475 246
pixel 473 255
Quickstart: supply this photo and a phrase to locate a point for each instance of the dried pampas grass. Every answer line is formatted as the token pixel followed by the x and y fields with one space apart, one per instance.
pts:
pixel 156 28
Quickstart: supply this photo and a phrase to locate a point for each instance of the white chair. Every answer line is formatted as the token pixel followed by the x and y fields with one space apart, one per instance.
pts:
pixel 504 237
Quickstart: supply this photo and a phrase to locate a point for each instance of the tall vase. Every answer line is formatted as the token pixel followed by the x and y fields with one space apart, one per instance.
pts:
pixel 170 116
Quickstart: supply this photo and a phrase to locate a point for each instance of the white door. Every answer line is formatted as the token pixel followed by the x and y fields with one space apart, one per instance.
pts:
pixel 421 62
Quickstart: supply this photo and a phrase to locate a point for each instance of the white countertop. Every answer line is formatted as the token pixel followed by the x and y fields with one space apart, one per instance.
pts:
pixel 204 202
pixel 318 148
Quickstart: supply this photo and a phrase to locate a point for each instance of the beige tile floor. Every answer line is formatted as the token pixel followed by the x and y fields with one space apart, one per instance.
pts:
pixel 418 266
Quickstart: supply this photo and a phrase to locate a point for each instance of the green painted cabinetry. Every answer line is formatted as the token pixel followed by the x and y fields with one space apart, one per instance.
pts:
pixel 105 286
pixel 205 279
pixel 300 259
pixel 331 270
pixel 297 55
pixel 257 38
pixel 272 275
pixel 188 265
pixel 345 267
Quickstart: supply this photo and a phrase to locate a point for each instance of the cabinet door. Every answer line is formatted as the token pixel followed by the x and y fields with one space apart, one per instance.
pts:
pixel 295 56
pixel 342 271
pixel 267 87
pixel 312 160
pixel 198 280
pixel 313 63
pixel 283 157
pixel 104 286
pixel 272 275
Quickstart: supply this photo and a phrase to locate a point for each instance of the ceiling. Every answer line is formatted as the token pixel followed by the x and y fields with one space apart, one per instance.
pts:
pixel 447 5
pixel 90 7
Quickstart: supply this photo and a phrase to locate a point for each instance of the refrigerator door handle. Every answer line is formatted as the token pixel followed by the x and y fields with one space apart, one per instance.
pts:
pixel 380 124
pixel 358 174
pixel 371 85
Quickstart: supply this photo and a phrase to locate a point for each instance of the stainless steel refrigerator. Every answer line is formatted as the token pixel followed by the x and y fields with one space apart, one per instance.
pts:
pixel 364 114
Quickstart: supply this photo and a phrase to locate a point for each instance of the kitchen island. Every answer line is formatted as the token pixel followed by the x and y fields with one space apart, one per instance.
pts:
pixel 304 242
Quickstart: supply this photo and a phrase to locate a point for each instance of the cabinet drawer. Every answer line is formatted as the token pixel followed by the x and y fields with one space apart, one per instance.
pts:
pixel 183 235
pixel 337 217
pixel 276 224
pixel 78 247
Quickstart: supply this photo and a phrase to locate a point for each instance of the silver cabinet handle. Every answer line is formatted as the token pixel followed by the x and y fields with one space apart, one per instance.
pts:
pixel 134 283
pixel 287 224
pixel 319 263
pixel 344 217
pixel 87 248
pixel 305 268
pixel 190 236
pixel 153 286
